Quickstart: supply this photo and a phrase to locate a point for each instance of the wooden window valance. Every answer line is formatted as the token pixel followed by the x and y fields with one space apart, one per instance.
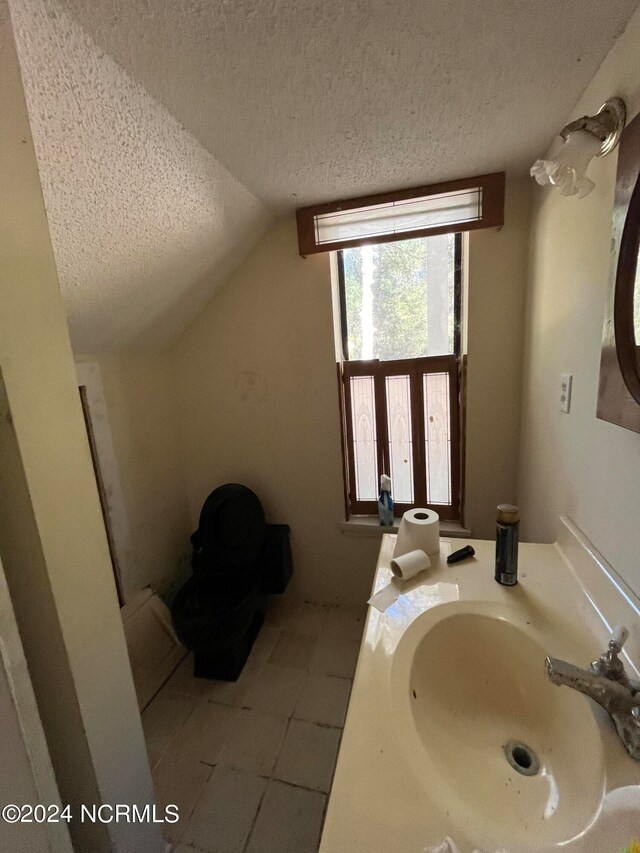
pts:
pixel 454 206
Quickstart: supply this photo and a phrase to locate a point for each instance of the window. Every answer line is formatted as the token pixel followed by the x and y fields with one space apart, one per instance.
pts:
pixel 402 373
pixel 399 380
pixel 461 205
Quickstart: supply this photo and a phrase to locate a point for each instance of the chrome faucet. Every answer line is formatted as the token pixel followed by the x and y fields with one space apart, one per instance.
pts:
pixel 607 683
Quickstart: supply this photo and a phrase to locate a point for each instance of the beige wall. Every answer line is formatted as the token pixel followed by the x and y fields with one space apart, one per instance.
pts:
pixel 52 541
pixel 576 464
pixel 496 295
pixel 142 419
pixel 256 381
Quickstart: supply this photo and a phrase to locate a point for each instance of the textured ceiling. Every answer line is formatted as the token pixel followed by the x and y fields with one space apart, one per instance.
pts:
pixel 307 100
pixel 145 222
pixel 168 132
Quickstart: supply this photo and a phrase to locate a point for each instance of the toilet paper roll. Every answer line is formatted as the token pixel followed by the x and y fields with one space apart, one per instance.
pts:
pixel 409 565
pixel 403 569
pixel 419 530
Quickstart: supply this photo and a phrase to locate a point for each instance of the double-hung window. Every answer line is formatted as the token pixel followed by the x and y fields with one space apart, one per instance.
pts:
pixel 400 373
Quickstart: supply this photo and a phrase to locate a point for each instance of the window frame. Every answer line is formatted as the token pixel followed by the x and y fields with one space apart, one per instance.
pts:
pixel 416 369
pixel 491 186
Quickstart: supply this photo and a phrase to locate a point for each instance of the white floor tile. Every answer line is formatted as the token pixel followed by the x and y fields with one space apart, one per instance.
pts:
pixel 179 782
pixel 307 619
pixel 230 692
pixel 225 813
pixel 205 733
pixel 273 689
pixel 323 699
pixel 293 650
pixel 162 718
pixel 278 609
pixel 335 656
pixel 264 643
pixel 182 681
pixel 255 742
pixel 301 664
pixel 308 755
pixel 289 821
pixel 346 622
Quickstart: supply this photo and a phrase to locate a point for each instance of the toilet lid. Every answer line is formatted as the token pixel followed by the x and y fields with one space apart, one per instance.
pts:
pixel 232 525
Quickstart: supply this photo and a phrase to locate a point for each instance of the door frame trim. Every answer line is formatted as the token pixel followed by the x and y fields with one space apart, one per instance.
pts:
pixel 88 376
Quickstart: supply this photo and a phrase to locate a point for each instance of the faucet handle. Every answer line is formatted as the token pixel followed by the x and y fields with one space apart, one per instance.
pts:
pixel 609 664
pixel 618 638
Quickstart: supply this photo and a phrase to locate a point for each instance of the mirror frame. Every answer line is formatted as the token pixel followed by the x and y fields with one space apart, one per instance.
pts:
pixel 619 386
pixel 623 300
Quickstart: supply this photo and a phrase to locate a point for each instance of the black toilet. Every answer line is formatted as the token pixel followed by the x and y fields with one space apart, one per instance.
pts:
pixel 238 560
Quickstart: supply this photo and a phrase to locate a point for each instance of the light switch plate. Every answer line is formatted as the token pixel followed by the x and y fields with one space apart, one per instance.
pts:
pixel 566 380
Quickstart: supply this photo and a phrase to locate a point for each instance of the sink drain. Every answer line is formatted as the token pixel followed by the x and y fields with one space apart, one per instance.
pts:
pixel 522 758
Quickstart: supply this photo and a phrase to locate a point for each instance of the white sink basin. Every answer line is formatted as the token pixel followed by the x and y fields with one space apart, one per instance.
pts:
pixel 414 769
pixel 476 683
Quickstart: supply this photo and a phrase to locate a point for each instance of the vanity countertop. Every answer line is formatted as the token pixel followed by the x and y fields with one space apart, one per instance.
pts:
pixel 382 800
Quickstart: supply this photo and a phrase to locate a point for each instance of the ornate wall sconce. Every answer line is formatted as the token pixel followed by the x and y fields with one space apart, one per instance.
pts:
pixel 585 138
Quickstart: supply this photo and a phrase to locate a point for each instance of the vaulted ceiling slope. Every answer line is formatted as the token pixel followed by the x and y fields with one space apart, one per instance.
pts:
pixel 145 222
pixel 309 100
pixel 170 131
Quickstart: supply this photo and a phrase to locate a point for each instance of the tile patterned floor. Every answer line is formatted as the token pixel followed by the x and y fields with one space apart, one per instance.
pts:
pixel 250 763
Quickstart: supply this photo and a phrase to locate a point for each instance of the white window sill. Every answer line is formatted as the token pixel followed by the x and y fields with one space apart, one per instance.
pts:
pixel 368 525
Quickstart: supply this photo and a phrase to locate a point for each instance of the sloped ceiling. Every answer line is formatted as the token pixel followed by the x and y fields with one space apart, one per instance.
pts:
pixel 169 132
pixel 145 222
